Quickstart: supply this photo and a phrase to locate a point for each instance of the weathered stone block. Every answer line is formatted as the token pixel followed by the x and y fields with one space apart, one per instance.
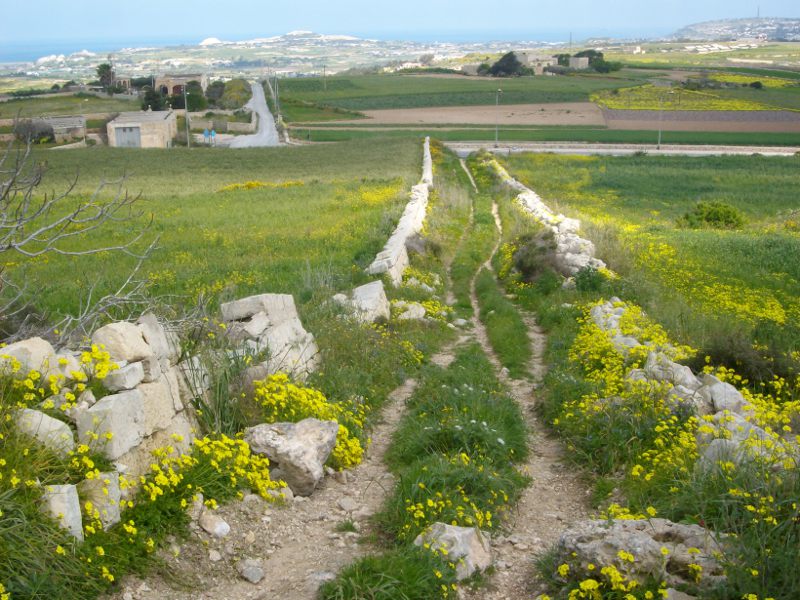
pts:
pixel 103 492
pixel 466 546
pixel 159 404
pixel 120 415
pixel 34 354
pixel 125 378
pixel 61 502
pixel 123 341
pixel 51 433
pixel 163 343
pixel 300 449
pixel 277 308
pixel 370 302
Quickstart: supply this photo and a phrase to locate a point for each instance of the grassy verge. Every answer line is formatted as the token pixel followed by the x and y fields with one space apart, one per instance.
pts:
pixel 64 105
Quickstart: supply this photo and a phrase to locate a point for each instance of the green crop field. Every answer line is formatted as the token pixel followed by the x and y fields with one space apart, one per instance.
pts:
pixel 320 212
pixel 371 92
pixel 694 280
pixel 64 105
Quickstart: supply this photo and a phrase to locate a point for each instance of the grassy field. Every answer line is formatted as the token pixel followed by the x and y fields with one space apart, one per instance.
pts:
pixel 674 55
pixel 566 134
pixel 64 105
pixel 412 91
pixel 732 293
pixel 335 212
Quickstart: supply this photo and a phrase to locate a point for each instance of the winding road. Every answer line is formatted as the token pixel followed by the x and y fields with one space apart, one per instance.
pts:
pixel 267 134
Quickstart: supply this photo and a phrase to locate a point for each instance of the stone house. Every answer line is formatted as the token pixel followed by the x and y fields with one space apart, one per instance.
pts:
pixel 143 129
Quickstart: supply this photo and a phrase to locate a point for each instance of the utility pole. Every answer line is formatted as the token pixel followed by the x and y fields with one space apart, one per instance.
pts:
pixel 186 118
pixel 497 116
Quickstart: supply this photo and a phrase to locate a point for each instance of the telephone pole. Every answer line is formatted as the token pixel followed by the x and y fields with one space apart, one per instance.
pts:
pixel 186 118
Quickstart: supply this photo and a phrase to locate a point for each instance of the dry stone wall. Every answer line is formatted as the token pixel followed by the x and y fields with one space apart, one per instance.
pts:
pixel 148 395
pixel 573 252
pixel 393 259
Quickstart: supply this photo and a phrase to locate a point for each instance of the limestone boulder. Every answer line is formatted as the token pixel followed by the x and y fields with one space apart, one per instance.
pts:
pixel 178 433
pixel 276 307
pixel 117 420
pixel 163 343
pixel 298 449
pixel 599 543
pixel 124 378
pixel 660 368
pixel 724 396
pixel 33 354
pixel 123 341
pixel 468 547
pixel 370 302
pixel 51 433
pixel 158 401
pixel 61 502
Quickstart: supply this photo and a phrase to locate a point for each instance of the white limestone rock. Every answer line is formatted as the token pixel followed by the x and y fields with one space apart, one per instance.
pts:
pixel 33 354
pixel 465 546
pixel 51 433
pixel 124 378
pixel 299 449
pixel 159 404
pixel 123 341
pixel 164 344
pixel 277 308
pixel 120 415
pixel 370 302
pixel 62 503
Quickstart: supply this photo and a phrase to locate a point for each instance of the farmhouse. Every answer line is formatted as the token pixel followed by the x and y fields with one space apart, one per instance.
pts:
pixel 579 63
pixel 143 129
pixel 174 84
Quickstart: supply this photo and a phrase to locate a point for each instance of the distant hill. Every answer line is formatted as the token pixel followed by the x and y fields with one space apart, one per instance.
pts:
pixel 767 28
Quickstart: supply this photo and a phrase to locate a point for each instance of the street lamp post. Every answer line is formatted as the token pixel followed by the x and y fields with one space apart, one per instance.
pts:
pixel 497 116
pixel 661 117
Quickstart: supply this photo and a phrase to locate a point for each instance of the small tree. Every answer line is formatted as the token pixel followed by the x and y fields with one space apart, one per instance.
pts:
pixel 508 66
pixel 214 92
pixel 194 97
pixel 34 223
pixel 105 73
pixel 153 100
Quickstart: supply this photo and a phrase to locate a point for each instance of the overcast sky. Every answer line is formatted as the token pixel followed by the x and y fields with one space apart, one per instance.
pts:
pixel 40 20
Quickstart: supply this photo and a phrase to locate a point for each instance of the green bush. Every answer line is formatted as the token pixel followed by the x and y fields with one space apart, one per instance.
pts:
pixel 712 215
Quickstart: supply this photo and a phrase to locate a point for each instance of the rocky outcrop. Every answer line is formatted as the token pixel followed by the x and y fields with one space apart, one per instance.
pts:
pixel 297 450
pixel 467 547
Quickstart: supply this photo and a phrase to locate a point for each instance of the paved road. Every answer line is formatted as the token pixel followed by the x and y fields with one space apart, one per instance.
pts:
pixel 267 134
pixel 464 149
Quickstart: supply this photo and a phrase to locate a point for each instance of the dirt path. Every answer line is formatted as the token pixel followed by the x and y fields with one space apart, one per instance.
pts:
pixel 298 543
pixel 556 495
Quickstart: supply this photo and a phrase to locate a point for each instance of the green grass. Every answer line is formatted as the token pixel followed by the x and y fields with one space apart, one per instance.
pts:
pixel 507 332
pixel 607 136
pixel 370 92
pixel 400 574
pixel 64 105
pixel 721 291
pixel 780 98
pixel 250 241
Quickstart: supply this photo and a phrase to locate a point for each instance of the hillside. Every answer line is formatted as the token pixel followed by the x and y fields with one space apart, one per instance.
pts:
pixel 768 28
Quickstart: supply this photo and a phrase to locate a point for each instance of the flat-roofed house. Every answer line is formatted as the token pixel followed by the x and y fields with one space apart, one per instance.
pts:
pixel 143 129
